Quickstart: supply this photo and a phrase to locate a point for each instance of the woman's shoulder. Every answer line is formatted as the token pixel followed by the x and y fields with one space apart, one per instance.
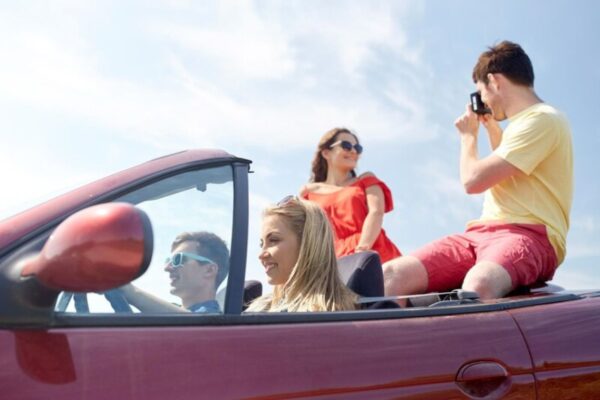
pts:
pixel 319 188
pixel 364 175
pixel 367 179
pixel 309 187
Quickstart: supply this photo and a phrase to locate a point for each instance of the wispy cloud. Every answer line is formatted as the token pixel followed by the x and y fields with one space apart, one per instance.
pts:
pixel 249 72
pixel 446 202
pixel 244 45
pixel 25 187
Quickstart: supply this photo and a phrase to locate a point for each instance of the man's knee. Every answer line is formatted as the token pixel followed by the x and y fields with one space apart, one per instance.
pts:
pixel 483 285
pixel 489 280
pixel 404 275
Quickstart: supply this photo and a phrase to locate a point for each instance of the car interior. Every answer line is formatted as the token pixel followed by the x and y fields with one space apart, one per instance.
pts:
pixel 363 274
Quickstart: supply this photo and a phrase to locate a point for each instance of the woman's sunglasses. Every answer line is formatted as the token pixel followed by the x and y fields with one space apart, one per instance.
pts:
pixel 286 200
pixel 346 145
pixel 178 259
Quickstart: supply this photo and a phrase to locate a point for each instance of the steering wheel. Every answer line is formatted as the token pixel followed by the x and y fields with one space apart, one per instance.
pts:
pixel 115 297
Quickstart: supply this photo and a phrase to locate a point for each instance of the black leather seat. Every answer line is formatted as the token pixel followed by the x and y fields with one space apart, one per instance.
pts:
pixel 362 273
pixel 252 290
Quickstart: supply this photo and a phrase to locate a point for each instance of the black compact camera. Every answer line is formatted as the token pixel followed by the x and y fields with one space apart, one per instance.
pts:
pixel 477 105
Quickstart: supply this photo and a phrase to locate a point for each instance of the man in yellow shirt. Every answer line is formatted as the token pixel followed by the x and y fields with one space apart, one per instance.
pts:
pixel 520 238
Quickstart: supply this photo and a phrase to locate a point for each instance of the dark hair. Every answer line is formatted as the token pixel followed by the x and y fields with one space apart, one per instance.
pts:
pixel 208 245
pixel 506 58
pixel 319 164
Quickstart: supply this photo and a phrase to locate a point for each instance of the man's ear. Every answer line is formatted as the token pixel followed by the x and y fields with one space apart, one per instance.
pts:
pixel 494 80
pixel 212 269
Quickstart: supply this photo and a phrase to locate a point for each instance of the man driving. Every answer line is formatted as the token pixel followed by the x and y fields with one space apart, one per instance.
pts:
pixel 199 262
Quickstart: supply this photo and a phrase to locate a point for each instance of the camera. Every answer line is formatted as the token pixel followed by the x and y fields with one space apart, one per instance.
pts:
pixel 477 105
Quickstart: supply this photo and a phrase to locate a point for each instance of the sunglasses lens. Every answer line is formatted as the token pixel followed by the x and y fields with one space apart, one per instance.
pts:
pixel 346 145
pixel 177 260
pixel 358 148
pixel 285 200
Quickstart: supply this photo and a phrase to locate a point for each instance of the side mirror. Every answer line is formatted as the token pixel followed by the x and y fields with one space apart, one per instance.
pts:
pixel 96 249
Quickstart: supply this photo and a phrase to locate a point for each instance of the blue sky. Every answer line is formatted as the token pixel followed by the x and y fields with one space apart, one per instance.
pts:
pixel 89 88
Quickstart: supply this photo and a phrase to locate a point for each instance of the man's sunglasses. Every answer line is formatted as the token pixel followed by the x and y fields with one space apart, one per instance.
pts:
pixel 178 259
pixel 346 145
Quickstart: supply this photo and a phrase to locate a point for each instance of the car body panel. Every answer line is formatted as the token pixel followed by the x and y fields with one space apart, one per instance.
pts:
pixel 274 361
pixel 564 341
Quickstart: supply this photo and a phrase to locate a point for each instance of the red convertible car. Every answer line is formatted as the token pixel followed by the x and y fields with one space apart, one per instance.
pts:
pixel 66 333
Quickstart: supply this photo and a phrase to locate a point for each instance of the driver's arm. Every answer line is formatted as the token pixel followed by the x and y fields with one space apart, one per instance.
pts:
pixel 146 302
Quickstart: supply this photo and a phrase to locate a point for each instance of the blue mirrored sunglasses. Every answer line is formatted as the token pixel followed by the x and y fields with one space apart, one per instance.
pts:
pixel 178 259
pixel 346 145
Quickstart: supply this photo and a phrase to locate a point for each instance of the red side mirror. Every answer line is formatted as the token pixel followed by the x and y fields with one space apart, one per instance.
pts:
pixel 96 249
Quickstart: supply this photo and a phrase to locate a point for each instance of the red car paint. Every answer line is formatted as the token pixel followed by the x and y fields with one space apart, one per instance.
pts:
pixel 113 233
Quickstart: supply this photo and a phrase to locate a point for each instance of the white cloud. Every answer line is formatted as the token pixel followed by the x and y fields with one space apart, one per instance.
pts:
pixel 28 183
pixel 350 35
pixel 55 67
pixel 446 200
pixel 239 41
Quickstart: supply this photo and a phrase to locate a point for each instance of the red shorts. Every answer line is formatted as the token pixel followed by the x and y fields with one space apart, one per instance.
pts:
pixel 523 250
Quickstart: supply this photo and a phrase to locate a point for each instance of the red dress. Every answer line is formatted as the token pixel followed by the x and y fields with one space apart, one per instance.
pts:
pixel 347 210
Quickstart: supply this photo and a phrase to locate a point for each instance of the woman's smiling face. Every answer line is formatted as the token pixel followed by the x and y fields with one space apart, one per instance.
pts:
pixel 338 157
pixel 279 249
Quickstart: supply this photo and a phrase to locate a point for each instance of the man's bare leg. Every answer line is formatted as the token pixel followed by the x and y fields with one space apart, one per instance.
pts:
pixel 488 279
pixel 404 275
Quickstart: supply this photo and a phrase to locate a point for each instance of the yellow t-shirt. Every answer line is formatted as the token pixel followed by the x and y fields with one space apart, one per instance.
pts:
pixel 538 142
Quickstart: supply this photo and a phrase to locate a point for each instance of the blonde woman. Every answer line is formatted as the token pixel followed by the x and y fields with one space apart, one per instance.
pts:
pixel 354 204
pixel 299 259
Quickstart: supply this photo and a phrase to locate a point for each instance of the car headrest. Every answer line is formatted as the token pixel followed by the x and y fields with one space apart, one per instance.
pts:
pixel 362 273
pixel 252 290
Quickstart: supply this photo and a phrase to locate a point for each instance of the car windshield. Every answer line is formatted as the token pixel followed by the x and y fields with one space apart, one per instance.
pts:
pixel 195 201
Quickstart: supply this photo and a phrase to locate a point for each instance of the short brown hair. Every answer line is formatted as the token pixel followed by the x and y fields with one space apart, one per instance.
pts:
pixel 210 246
pixel 506 58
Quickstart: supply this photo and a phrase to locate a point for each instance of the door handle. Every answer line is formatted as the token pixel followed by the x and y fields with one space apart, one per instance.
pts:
pixel 483 378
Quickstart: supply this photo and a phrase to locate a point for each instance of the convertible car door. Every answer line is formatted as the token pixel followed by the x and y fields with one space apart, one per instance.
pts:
pixel 564 340
pixel 387 354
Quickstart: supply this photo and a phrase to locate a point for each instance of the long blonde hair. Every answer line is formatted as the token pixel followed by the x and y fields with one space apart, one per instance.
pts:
pixel 314 283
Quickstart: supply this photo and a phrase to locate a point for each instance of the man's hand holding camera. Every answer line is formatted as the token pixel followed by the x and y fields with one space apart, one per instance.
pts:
pixel 468 123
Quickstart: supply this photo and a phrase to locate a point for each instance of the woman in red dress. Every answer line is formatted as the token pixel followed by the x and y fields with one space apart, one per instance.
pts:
pixel 354 204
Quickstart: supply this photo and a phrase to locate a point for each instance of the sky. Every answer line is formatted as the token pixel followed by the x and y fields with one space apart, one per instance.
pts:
pixel 90 88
